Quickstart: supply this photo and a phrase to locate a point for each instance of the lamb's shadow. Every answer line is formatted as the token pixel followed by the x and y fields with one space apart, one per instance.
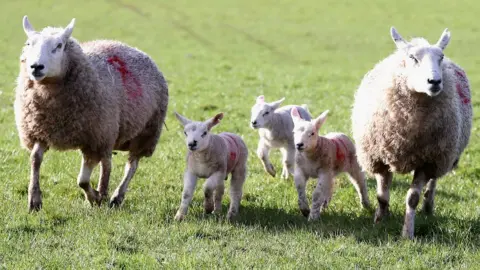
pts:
pixel 446 230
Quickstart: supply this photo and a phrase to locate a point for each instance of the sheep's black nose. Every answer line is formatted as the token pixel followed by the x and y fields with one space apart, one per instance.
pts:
pixel 254 122
pixel 299 145
pixel 434 82
pixel 192 144
pixel 37 67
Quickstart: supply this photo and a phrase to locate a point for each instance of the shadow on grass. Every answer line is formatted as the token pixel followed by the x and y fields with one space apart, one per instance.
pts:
pixel 444 230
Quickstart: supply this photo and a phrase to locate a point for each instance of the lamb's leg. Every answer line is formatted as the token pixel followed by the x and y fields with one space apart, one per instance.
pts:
pixel 288 159
pixel 106 168
pixel 34 192
pixel 300 183
pixel 119 193
pixel 214 183
pixel 321 195
pixel 236 190
pixel 384 180
pixel 413 197
pixel 263 151
pixel 83 180
pixel 429 196
pixel 189 184
pixel 357 178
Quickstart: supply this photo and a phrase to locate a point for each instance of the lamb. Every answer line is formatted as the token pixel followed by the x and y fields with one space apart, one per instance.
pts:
pixel 212 157
pixel 323 157
pixel 412 112
pixel 275 127
pixel 97 97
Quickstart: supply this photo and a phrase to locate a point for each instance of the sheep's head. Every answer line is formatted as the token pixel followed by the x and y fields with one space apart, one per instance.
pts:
pixel 262 112
pixel 305 132
pixel 423 62
pixel 43 52
pixel 197 134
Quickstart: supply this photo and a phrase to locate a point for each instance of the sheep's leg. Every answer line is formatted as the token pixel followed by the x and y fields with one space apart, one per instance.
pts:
pixel 83 180
pixel 34 192
pixel 214 183
pixel 321 195
pixel 300 183
pixel 263 151
pixel 357 178
pixel 429 196
pixel 236 191
pixel 384 180
pixel 288 158
pixel 189 184
pixel 119 193
pixel 106 168
pixel 413 197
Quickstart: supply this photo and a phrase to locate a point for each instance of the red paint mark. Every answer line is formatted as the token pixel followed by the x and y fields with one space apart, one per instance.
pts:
pixel 463 93
pixel 130 82
pixel 340 155
pixel 233 151
pixel 460 74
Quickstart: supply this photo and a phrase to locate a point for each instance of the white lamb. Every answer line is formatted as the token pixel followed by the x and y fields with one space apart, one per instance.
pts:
pixel 275 127
pixel 412 112
pixel 213 157
pixel 323 157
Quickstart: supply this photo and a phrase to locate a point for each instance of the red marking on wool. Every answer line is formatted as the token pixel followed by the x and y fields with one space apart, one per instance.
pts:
pixel 233 151
pixel 133 91
pixel 463 93
pixel 340 155
pixel 460 74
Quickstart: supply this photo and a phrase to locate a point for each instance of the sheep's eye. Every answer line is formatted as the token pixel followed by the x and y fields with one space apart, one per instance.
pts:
pixel 27 43
pixel 413 58
pixel 265 113
pixel 441 58
pixel 204 134
pixel 311 134
pixel 59 46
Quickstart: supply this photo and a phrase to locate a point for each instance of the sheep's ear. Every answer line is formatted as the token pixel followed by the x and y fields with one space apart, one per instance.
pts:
pixel 444 39
pixel 182 119
pixel 27 27
pixel 277 103
pixel 260 99
pixel 295 115
pixel 214 121
pixel 320 120
pixel 398 39
pixel 67 32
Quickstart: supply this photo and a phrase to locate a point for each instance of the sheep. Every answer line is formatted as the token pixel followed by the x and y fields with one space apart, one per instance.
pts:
pixel 212 157
pixel 323 157
pixel 275 127
pixel 95 97
pixel 412 112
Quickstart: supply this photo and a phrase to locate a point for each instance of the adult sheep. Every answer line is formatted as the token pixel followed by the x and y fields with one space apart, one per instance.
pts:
pixel 412 112
pixel 97 97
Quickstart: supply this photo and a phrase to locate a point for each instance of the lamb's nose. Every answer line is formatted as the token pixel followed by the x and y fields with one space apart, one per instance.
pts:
pixel 434 82
pixel 299 145
pixel 37 67
pixel 192 144
pixel 254 122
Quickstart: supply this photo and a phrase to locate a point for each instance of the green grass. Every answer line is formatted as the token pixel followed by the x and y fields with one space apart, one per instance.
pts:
pixel 218 56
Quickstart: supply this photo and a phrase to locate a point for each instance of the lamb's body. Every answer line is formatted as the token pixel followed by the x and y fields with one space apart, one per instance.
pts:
pixel 225 154
pixel 109 97
pixel 412 114
pixel 405 130
pixel 278 134
pixel 334 153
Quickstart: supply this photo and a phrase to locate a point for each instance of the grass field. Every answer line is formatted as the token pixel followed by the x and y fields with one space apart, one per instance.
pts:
pixel 218 56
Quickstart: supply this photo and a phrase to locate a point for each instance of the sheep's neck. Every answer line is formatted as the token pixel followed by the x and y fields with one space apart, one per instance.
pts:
pixel 273 122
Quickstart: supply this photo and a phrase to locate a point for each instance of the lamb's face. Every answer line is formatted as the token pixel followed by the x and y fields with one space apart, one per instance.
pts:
pixel 262 112
pixel 197 136
pixel 43 53
pixel 305 132
pixel 422 62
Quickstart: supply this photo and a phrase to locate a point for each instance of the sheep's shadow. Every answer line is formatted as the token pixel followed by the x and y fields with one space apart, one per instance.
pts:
pixel 450 231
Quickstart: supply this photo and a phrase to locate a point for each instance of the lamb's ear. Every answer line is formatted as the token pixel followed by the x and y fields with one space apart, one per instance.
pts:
pixel 295 115
pixel 67 32
pixel 320 120
pixel 444 39
pixel 398 39
pixel 182 119
pixel 214 121
pixel 260 99
pixel 277 103
pixel 27 27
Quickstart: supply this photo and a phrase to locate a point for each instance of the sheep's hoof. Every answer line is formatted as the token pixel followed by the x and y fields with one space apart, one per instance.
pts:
pixel 208 207
pixel 407 233
pixel 231 215
pixel 366 205
pixel 305 212
pixel 179 216
pixel 380 214
pixel 34 205
pixel 313 216
pixel 116 201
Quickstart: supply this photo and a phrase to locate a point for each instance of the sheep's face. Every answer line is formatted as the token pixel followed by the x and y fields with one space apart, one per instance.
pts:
pixel 43 53
pixel 422 62
pixel 262 112
pixel 197 134
pixel 305 133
